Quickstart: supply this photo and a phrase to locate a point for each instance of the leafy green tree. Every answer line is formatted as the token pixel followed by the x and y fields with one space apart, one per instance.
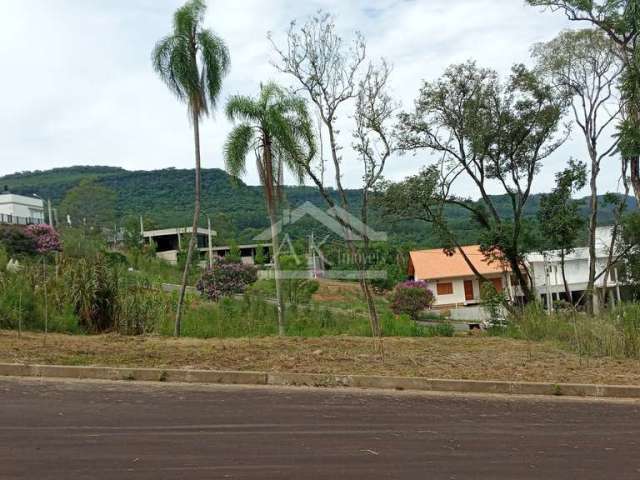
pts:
pixel 234 252
pixel 584 65
pixel 629 251
pixel 90 205
pixel 275 126
pixel 559 218
pixel 192 62
pixel 259 257
pixel 486 132
pixel 620 20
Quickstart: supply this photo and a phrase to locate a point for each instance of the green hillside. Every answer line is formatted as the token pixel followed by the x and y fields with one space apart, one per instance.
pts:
pixel 165 197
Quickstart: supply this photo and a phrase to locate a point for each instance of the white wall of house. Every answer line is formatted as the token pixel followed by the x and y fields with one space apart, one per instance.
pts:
pixel 576 272
pixel 458 296
pixel 576 267
pixel 22 206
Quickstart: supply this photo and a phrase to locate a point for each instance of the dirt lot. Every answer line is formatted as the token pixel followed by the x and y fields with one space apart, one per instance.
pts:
pixel 459 357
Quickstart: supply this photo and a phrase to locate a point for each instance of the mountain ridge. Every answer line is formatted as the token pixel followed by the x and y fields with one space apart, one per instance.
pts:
pixel 165 196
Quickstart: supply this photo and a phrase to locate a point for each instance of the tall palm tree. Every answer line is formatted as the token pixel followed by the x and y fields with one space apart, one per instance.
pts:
pixel 192 61
pixel 275 127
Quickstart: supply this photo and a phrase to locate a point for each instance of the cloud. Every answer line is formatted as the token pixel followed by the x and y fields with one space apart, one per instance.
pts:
pixel 78 87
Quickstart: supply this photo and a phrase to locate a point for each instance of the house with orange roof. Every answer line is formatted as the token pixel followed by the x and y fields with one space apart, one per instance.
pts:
pixel 452 280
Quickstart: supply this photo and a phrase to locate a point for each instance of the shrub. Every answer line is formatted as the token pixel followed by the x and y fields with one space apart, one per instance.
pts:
pixel 16 241
pixel 142 308
pixel 493 302
pixel 81 244
pixel 226 278
pixel 4 259
pixel 411 298
pixel 45 237
pixel 93 289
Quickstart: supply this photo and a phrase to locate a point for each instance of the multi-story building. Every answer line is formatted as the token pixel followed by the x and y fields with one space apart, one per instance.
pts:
pixel 20 209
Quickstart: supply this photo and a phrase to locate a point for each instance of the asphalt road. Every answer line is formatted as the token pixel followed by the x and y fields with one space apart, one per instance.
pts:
pixel 90 430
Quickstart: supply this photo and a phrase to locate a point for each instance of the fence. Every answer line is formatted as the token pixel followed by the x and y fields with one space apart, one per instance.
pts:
pixel 15 220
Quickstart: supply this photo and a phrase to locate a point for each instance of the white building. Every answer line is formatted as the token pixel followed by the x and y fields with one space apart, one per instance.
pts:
pixel 546 272
pixel 20 209
pixel 169 241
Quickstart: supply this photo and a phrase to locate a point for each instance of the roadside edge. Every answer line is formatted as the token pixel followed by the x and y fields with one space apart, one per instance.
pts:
pixel 319 380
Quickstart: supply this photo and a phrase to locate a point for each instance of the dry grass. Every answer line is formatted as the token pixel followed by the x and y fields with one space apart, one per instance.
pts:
pixel 336 291
pixel 472 357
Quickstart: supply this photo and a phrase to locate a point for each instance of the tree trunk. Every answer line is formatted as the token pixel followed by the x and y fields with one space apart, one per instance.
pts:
pixel 635 176
pixel 522 280
pixel 270 197
pixel 364 282
pixel 194 230
pixel 593 223
pixel 633 105
pixel 567 290
pixel 277 272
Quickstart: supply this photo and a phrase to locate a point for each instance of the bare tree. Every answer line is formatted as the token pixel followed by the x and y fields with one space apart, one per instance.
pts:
pixel 620 21
pixel 334 75
pixel 582 64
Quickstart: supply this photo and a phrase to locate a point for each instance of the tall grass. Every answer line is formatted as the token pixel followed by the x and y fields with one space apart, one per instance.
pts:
pixel 255 317
pixel 615 333
pixel 90 294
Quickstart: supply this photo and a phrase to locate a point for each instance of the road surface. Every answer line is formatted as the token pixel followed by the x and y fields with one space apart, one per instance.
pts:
pixel 97 430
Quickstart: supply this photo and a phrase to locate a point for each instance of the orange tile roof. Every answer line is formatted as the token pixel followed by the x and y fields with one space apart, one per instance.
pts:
pixel 435 264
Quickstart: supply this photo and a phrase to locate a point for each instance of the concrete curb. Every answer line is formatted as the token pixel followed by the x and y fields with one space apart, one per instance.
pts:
pixel 319 380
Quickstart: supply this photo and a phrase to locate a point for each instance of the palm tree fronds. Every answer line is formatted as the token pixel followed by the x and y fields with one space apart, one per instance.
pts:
pixel 237 148
pixel 215 63
pixel 242 108
pixel 188 17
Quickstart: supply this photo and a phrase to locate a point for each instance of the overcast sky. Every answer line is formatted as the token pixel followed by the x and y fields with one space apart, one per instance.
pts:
pixel 77 86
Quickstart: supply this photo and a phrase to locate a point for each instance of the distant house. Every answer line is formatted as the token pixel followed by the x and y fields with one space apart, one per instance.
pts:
pixel 546 271
pixel 451 279
pixel 20 209
pixel 247 252
pixel 169 241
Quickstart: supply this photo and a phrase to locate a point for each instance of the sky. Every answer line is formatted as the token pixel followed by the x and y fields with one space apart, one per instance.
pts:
pixel 78 87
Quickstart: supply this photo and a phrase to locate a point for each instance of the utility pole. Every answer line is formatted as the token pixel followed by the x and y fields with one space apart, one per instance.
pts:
pixel 547 279
pixel 50 213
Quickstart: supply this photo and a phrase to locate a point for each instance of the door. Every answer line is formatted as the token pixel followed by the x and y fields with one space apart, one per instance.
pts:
pixel 497 282
pixel 468 290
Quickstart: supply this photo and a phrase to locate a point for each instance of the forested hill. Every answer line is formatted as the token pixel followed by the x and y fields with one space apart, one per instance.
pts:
pixel 166 198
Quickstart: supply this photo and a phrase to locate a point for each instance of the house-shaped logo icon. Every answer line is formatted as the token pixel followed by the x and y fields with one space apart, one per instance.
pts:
pixel 336 219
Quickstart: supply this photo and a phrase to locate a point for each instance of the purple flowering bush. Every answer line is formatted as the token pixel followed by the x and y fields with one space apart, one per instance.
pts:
pixel 45 237
pixel 226 278
pixel 411 298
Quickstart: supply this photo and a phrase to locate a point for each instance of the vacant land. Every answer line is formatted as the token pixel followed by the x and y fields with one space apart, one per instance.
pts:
pixel 471 357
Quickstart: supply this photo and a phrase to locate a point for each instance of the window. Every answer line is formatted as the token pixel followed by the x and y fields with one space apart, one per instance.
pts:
pixel 444 288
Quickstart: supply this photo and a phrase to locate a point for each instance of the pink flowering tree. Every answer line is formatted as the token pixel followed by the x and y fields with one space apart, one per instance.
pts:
pixel 411 298
pixel 226 278
pixel 45 237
